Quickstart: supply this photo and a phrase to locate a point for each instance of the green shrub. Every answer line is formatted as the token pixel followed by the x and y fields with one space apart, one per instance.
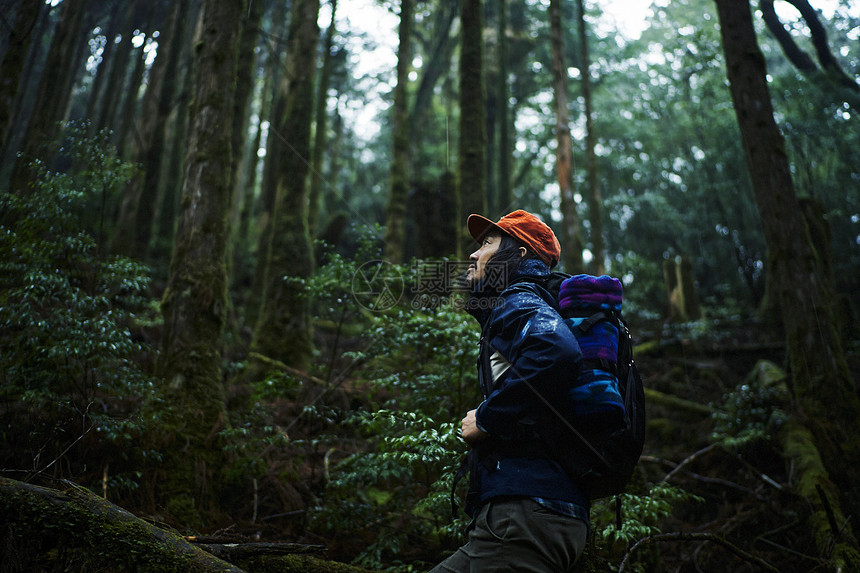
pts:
pixel 396 493
pixel 68 367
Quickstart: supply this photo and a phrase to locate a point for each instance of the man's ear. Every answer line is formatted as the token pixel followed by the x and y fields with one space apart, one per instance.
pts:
pixel 522 251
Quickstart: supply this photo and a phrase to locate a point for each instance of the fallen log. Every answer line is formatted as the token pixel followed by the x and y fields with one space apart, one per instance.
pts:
pixel 237 551
pixel 74 530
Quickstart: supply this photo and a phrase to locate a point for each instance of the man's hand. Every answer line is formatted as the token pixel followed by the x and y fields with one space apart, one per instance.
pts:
pixel 469 429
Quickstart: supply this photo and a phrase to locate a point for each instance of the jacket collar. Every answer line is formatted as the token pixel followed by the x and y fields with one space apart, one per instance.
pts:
pixel 484 297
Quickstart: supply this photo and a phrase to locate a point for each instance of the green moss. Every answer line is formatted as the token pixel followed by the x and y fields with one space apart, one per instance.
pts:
pixel 812 481
pixel 47 534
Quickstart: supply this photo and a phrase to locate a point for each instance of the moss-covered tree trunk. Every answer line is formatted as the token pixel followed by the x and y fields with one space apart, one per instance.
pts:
pixel 76 531
pixel 825 394
pixel 190 404
pixel 284 324
pixel 471 175
pixel 395 220
pixel 571 245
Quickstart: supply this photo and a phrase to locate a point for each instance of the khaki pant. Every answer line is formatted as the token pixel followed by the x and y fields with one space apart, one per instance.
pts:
pixel 518 535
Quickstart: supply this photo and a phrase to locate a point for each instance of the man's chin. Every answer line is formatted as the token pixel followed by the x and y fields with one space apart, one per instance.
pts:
pixel 467 280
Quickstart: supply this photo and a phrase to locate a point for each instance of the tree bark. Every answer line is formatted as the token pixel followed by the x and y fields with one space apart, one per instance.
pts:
pixel 273 110
pixel 103 71
pixel 438 63
pixel 52 96
pixel 192 396
pixel 503 194
pixel 826 399
pixel 395 221
pixel 471 184
pixel 592 196
pixel 130 101
pixel 134 224
pixel 104 113
pixel 284 324
pixel 571 245
pixel 12 64
pixel 250 36
pixel 320 133
pixel 170 185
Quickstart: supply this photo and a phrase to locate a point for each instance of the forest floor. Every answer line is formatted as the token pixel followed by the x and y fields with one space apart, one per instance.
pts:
pixel 745 499
pixel 713 414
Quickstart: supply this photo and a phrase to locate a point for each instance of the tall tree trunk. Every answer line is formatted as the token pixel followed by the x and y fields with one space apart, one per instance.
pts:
pixel 244 90
pixel 134 224
pixel 491 120
pixel 28 85
pixel 826 399
pixel 52 97
pixel 395 221
pixel 439 61
pixel 503 195
pixel 321 114
pixel 191 402
pixel 103 71
pixel 595 216
pixel 170 185
pixel 471 184
pixel 104 113
pixel 273 111
pixel 12 64
pixel 243 234
pixel 284 324
pixel 130 102
pixel 571 245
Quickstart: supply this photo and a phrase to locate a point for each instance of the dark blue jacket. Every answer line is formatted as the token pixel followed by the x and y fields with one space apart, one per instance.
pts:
pixel 538 356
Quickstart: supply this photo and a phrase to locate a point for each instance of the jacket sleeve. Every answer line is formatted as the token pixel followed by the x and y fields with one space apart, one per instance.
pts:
pixel 544 356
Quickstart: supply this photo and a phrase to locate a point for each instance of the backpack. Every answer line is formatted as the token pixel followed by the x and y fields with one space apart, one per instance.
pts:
pixel 603 430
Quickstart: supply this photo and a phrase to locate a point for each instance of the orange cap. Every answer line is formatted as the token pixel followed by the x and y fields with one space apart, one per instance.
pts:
pixel 523 226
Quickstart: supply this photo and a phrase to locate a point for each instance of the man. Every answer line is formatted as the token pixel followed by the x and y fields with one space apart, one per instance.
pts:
pixel 528 515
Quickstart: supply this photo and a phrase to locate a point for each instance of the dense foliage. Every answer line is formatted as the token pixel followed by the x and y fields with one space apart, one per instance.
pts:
pixel 73 374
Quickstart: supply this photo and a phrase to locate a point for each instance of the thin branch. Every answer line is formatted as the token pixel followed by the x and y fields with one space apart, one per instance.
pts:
pixel 689 459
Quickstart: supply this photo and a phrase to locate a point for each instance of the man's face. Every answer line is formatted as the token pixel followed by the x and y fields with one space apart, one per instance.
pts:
pixel 488 248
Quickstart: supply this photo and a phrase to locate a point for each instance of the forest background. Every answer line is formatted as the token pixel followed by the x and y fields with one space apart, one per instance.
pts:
pixel 228 247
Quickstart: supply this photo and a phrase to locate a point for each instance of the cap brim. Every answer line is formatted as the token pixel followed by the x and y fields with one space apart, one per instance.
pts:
pixel 479 226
